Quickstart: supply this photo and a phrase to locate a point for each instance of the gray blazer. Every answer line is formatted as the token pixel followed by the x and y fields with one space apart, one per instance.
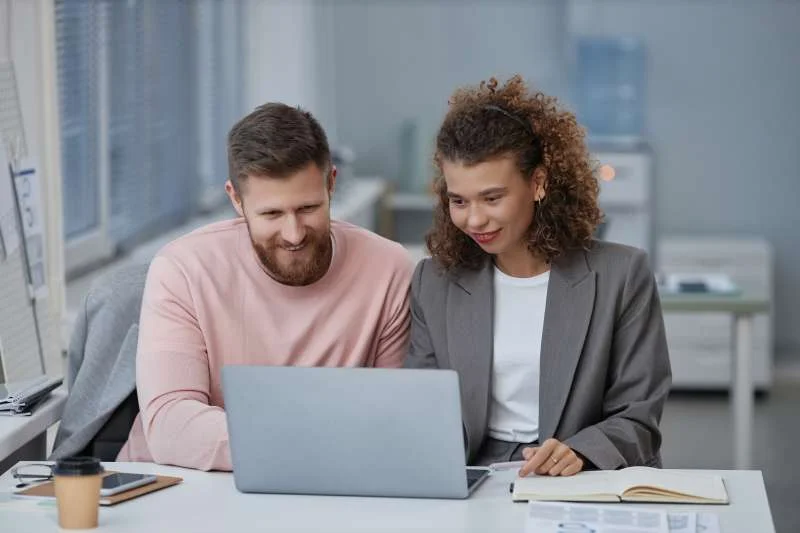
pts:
pixel 604 370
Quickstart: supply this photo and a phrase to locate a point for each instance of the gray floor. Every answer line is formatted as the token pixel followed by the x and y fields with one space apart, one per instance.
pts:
pixel 697 434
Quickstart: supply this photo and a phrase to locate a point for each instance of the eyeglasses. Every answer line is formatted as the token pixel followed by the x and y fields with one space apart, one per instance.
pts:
pixel 32 473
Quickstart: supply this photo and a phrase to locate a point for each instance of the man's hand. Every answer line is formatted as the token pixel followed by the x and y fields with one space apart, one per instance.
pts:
pixel 552 458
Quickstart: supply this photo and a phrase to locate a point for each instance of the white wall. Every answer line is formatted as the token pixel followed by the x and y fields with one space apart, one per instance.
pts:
pixel 398 60
pixel 286 61
pixel 724 121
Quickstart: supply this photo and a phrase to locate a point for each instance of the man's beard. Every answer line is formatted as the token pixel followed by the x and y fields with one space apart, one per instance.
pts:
pixel 309 265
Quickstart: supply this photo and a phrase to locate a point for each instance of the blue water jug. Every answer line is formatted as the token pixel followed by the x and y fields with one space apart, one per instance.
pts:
pixel 610 86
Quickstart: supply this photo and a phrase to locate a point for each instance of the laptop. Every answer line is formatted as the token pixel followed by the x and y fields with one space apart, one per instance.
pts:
pixel 347 431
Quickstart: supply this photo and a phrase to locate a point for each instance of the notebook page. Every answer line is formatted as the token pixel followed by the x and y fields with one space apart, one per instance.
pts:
pixel 700 485
pixel 584 483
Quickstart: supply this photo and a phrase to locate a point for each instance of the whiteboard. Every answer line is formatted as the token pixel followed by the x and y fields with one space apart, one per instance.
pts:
pixel 20 350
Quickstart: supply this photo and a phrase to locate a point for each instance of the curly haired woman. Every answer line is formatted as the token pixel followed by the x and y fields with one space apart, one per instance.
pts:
pixel 558 338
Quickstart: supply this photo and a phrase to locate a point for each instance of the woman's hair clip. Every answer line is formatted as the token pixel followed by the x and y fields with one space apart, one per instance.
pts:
pixel 515 118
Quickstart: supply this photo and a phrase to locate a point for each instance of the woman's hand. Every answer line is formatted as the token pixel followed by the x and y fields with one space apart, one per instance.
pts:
pixel 552 458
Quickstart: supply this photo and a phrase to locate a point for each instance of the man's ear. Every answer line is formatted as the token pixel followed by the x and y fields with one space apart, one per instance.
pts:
pixel 332 180
pixel 236 200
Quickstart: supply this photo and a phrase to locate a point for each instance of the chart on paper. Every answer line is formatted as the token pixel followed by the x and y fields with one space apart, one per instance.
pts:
pixel 581 518
pixel 551 517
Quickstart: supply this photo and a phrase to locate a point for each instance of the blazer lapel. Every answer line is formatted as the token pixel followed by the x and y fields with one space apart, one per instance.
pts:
pixel 470 314
pixel 570 301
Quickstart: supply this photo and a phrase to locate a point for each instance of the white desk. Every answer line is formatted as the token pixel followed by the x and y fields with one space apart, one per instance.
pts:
pixel 25 437
pixel 742 309
pixel 210 502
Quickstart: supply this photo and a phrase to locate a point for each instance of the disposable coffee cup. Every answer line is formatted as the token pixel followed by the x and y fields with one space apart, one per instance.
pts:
pixel 77 481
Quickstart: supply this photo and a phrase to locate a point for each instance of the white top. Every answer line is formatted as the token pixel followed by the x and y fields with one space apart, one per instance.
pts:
pixel 519 305
pixel 209 502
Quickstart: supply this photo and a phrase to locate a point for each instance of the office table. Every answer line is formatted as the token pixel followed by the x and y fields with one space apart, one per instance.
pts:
pixel 742 308
pixel 25 437
pixel 207 502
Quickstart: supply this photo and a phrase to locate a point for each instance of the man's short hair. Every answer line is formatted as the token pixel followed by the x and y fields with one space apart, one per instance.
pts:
pixel 276 140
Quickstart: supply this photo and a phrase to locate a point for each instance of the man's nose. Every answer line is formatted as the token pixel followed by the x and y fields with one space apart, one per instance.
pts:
pixel 293 232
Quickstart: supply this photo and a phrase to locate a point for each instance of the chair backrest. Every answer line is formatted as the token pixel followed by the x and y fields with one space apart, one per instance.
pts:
pixel 107 443
pixel 101 351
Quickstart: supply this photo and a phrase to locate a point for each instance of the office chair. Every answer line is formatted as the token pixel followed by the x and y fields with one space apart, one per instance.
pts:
pixel 108 442
pixel 101 377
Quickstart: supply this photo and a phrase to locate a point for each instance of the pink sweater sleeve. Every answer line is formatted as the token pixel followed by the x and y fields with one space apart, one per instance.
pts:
pixel 172 376
pixel 394 336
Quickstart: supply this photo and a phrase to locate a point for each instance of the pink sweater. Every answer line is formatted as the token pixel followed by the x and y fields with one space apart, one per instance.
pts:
pixel 208 303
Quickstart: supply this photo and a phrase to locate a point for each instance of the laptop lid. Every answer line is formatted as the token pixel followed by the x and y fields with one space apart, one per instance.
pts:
pixel 345 431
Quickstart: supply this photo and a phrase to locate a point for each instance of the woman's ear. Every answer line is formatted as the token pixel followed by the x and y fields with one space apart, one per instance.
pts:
pixel 539 183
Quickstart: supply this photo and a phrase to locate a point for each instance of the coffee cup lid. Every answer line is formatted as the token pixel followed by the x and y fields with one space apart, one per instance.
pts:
pixel 77 466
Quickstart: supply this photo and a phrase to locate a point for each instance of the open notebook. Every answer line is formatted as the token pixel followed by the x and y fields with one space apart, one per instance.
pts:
pixel 635 484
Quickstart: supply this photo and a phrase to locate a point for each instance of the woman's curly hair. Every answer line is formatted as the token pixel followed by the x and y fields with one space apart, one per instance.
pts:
pixel 491 121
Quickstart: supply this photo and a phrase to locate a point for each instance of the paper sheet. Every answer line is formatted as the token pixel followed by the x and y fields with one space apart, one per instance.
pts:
pixel 510 465
pixel 580 518
pixel 26 178
pixel 707 523
pixel 9 232
pixel 9 504
pixel 551 517
pixel 682 522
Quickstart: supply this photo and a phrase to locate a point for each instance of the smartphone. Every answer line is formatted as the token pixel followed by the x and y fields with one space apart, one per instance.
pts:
pixel 120 482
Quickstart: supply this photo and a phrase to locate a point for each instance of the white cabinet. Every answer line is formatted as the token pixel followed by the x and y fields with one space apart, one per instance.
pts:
pixel 700 343
pixel 625 196
pixel 359 202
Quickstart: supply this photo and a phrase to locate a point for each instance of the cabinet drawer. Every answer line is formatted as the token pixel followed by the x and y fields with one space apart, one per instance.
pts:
pixel 713 331
pixel 711 369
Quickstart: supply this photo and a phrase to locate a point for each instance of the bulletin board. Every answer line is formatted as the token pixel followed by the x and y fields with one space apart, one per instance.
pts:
pixel 24 324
